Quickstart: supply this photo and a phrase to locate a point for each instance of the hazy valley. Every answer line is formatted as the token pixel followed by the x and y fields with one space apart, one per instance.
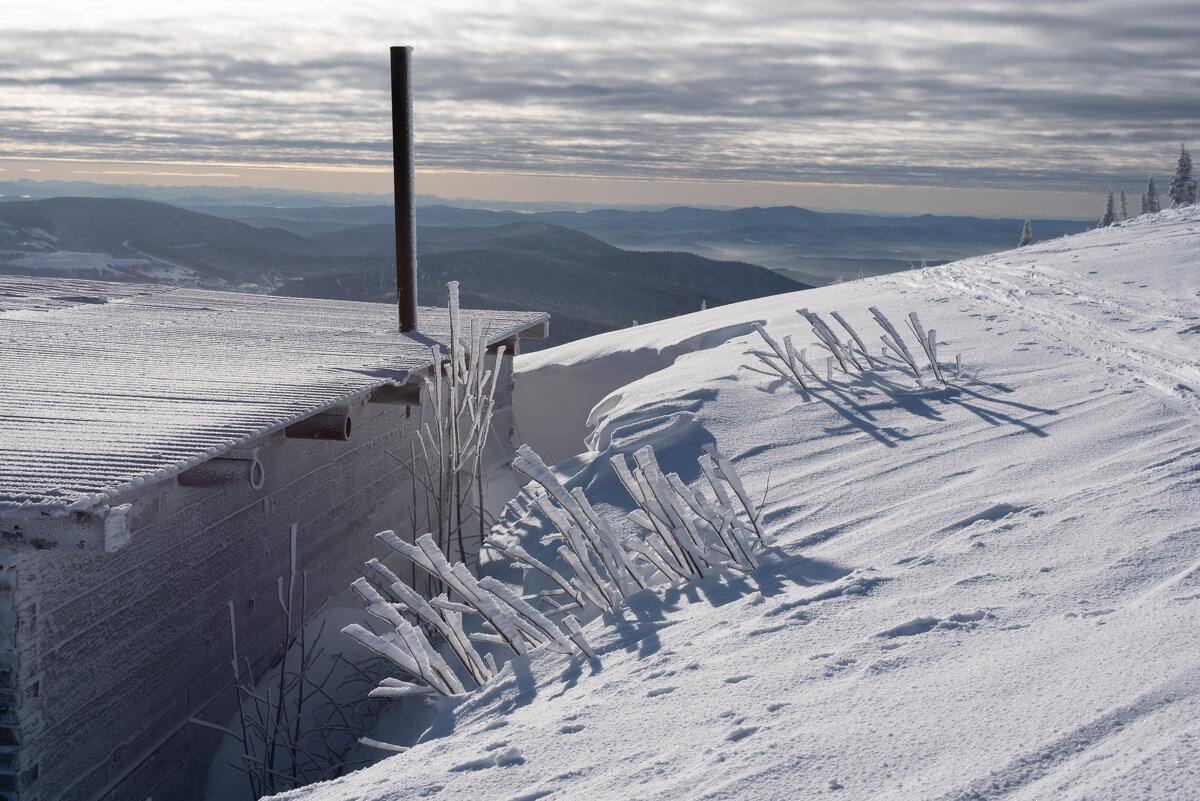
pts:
pixel 587 285
pixel 594 270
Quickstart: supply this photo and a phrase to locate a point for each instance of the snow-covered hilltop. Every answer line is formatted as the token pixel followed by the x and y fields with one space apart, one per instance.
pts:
pixel 982 591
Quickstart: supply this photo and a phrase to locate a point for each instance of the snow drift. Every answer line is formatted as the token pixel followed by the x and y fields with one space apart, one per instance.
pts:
pixel 977 591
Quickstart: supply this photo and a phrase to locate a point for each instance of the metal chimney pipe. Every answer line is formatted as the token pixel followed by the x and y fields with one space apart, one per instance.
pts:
pixel 404 175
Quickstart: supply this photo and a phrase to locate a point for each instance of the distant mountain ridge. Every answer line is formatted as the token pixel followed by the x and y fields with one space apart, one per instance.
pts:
pixel 588 286
pixel 809 246
pixel 813 247
pixel 202 249
pixel 206 197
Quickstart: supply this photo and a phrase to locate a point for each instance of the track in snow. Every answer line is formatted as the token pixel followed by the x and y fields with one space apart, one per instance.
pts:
pixel 1151 336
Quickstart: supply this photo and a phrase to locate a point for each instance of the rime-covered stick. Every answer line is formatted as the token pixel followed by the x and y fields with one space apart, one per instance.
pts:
pixel 861 345
pixel 524 559
pixel 895 342
pixel 927 344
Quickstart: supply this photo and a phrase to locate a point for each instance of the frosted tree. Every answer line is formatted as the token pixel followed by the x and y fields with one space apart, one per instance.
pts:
pixel 1150 203
pixel 1124 208
pixel 1110 214
pixel 1026 235
pixel 1183 187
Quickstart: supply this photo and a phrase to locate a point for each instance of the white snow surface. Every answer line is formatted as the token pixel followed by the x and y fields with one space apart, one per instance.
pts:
pixel 985 591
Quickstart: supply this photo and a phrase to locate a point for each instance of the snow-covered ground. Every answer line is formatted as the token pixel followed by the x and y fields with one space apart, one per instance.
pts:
pixel 985 591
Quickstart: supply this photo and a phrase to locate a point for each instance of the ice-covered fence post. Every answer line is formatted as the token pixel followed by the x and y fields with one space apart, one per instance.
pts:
pixel 928 344
pixel 861 345
pixel 404 179
pixel 785 354
pixel 830 342
pixel 730 476
pixel 893 341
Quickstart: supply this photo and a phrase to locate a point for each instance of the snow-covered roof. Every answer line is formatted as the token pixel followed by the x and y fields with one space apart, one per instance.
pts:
pixel 107 386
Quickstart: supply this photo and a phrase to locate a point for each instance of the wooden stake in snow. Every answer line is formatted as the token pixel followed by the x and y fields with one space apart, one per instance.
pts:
pixel 928 344
pixel 508 621
pixel 895 342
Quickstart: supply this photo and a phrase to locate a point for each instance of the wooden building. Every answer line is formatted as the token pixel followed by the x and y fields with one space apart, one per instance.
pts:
pixel 156 443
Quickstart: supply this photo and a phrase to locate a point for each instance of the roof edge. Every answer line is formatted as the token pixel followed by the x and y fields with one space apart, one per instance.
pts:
pixel 98 502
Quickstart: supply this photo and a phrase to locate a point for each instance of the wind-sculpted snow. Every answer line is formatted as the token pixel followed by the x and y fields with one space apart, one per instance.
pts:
pixel 987 590
pixel 552 404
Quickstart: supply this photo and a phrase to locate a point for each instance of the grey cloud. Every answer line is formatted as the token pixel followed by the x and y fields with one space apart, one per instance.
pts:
pixel 992 94
pixel 110 80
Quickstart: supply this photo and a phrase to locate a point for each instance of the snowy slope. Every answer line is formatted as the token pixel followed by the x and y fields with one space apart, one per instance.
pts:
pixel 981 592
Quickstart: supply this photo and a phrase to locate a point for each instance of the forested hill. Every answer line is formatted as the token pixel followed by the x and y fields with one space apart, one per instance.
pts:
pixel 811 246
pixel 586 285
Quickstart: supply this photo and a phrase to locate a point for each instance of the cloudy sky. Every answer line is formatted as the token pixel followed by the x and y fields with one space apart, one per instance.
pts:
pixel 920 105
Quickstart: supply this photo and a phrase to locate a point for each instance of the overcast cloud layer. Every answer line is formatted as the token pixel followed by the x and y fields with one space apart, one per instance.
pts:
pixel 965 94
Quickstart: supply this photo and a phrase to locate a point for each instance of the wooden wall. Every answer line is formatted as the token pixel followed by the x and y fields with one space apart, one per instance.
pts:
pixel 111 653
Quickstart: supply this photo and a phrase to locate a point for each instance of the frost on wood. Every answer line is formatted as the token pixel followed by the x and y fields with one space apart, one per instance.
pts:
pixel 446 466
pixel 446 463
pixel 928 344
pixel 507 620
pixel 854 335
pixel 828 340
pixel 793 366
pixel 784 362
pixel 604 572
pixel 893 341
pixel 688 534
